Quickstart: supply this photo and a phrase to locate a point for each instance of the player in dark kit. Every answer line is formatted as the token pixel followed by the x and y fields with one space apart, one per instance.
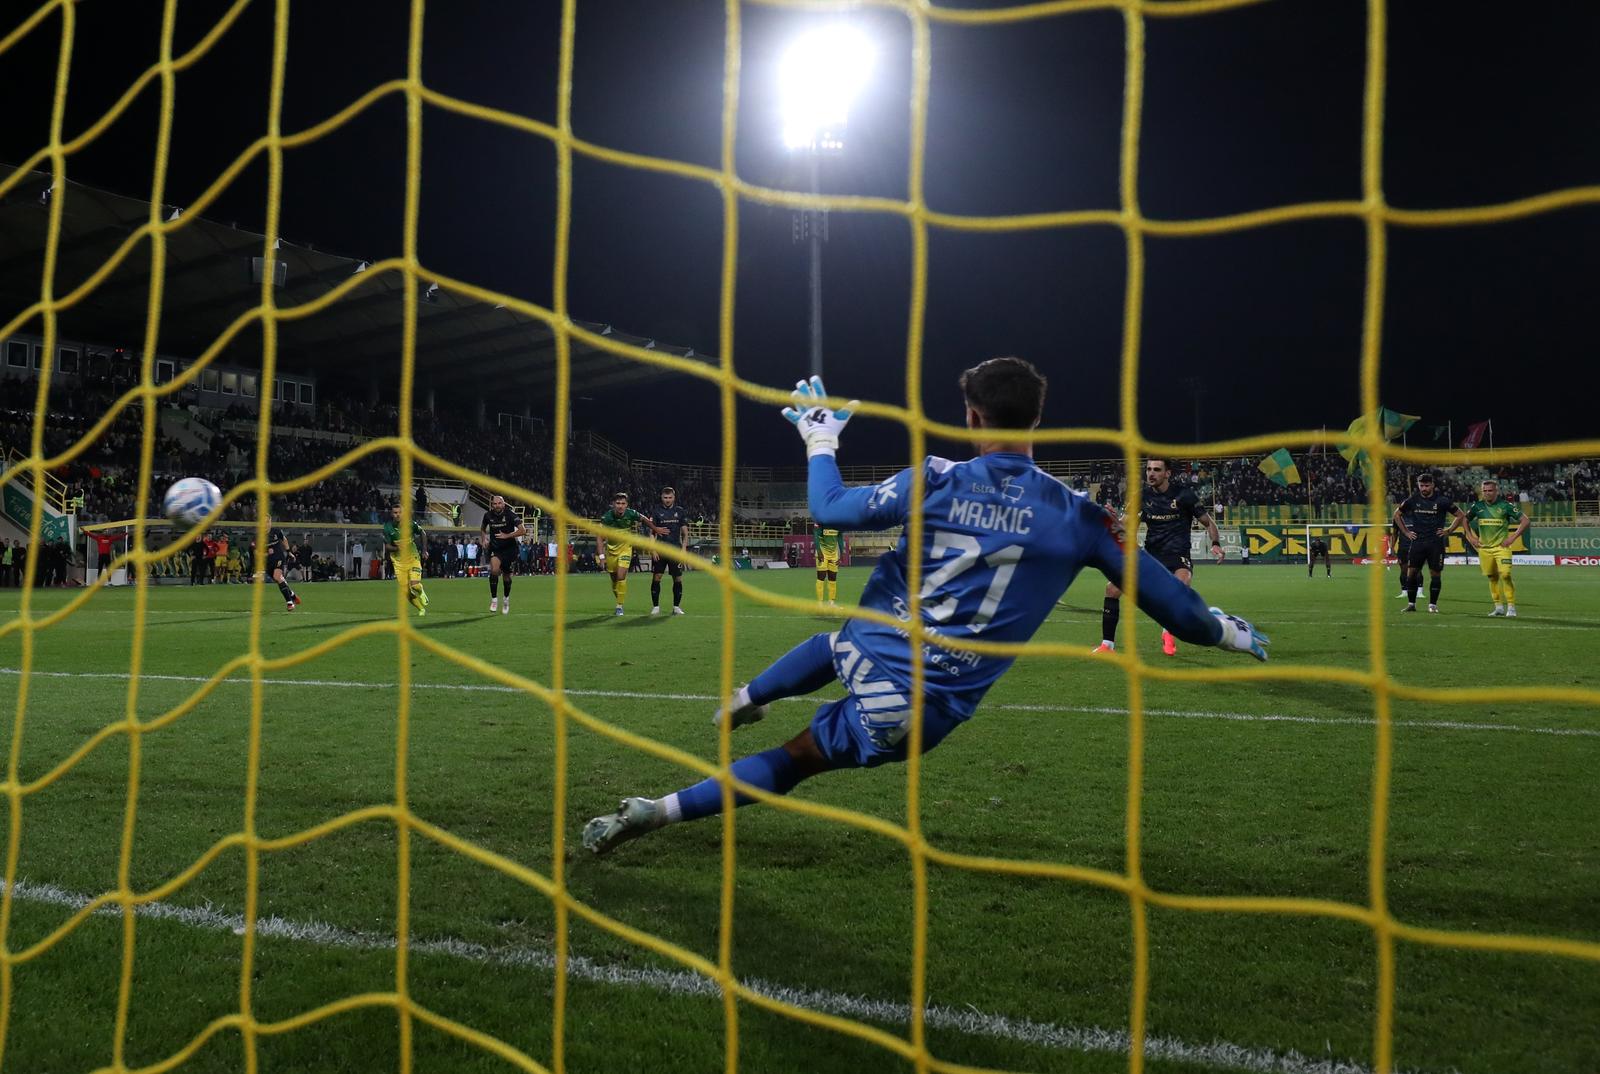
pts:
pixel 1318 547
pixel 278 560
pixel 668 521
pixel 501 528
pixel 1421 519
pixel 1166 510
pixel 1402 549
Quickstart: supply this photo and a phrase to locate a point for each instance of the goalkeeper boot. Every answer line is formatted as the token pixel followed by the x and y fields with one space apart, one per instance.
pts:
pixel 633 818
pixel 1497 611
pixel 1169 644
pixel 743 714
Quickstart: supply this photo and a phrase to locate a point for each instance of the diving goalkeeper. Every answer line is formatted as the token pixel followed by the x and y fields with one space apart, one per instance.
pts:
pixel 1002 540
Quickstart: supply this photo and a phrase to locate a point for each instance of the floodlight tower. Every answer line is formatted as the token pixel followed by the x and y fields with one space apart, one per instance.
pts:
pixel 819 77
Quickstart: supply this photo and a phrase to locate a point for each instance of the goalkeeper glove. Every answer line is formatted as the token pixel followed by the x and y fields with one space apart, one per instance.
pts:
pixel 1240 637
pixel 818 426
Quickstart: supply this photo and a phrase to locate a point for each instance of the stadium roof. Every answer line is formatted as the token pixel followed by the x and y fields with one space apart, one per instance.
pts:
pixel 464 347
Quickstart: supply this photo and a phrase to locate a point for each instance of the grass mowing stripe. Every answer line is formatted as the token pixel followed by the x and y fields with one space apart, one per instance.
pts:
pixel 639 695
pixel 969 1020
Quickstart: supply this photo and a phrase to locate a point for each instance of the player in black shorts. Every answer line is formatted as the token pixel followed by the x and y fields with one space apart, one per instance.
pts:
pixel 1166 511
pixel 1402 549
pixel 1318 547
pixel 1421 518
pixel 501 528
pixel 278 560
pixel 669 523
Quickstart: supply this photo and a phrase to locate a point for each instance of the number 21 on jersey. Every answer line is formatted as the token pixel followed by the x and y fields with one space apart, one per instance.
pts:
pixel 969 553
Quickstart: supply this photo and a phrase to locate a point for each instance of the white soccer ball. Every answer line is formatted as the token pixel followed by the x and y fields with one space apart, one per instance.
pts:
pixel 190 500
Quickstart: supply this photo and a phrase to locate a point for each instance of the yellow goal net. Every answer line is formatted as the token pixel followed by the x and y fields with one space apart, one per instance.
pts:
pixel 551 880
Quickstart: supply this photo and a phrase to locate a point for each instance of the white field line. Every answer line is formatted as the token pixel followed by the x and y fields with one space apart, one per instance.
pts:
pixel 967 1019
pixel 639 695
pixel 1470 620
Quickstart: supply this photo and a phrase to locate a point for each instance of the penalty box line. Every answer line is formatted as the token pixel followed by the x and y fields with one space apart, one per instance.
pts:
pixel 641 695
pixel 684 984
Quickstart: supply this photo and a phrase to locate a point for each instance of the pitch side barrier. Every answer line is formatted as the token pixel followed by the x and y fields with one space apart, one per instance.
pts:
pixel 1283 543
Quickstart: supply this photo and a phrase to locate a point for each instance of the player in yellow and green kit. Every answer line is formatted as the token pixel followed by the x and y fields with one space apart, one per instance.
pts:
pixel 619 554
pixel 1498 523
pixel 407 556
pixel 825 544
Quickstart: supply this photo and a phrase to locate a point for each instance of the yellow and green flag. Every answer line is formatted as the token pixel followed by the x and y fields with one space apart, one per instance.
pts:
pixel 1280 467
pixel 1392 422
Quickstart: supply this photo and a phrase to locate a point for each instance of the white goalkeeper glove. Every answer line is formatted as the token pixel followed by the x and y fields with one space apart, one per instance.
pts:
pixel 1240 637
pixel 818 426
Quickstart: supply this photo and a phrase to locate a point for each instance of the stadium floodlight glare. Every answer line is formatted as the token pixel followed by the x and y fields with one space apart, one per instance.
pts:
pixel 819 77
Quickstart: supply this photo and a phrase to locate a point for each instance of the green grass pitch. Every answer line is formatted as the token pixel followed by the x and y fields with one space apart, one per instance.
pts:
pixel 1249 789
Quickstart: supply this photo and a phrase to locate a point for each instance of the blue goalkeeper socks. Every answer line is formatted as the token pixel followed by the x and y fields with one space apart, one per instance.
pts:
pixel 806 668
pixel 771 770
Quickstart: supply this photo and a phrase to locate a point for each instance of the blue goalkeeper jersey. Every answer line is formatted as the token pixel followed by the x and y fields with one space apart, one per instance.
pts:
pixel 1001 542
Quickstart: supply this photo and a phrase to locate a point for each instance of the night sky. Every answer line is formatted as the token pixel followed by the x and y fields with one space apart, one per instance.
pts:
pixel 1245 109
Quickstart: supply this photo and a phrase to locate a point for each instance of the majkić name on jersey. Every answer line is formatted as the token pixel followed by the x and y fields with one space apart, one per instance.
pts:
pixel 1001 518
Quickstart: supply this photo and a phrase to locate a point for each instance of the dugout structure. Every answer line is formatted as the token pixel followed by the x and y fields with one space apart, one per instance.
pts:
pixel 549 878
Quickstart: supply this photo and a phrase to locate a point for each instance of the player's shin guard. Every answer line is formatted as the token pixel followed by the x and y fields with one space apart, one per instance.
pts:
pixel 1435 583
pixel 806 668
pixel 1109 615
pixel 677 592
pixel 771 770
pixel 655 591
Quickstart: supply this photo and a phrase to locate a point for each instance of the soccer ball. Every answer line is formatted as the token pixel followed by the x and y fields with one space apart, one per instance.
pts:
pixel 190 500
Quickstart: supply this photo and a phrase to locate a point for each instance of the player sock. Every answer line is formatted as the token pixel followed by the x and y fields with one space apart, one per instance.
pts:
pixel 506 581
pixel 283 587
pixel 771 770
pixel 819 589
pixel 806 668
pixel 621 589
pixel 1108 619
pixel 494 587
pixel 677 592
pixel 1494 590
pixel 1412 584
pixel 833 589
pixel 1435 584
pixel 1508 589
pixel 655 592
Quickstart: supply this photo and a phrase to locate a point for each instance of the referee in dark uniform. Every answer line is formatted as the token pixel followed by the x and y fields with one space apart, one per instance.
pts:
pixel 1167 509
